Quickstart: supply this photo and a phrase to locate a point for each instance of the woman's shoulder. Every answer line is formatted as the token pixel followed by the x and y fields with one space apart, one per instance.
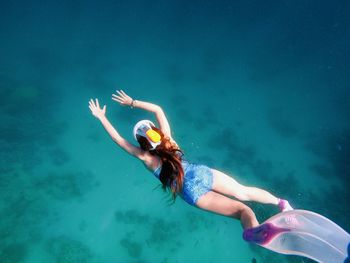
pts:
pixel 151 161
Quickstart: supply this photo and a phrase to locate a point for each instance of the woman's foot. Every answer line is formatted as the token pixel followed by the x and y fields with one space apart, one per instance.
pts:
pixel 284 205
pixel 262 234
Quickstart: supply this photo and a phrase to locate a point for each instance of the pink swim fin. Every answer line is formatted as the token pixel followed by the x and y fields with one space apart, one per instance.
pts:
pixel 262 234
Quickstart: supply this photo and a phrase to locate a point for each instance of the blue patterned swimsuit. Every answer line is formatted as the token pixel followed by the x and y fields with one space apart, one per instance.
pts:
pixel 198 180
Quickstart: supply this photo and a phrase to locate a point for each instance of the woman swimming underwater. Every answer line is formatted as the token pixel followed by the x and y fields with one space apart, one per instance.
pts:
pixel 197 184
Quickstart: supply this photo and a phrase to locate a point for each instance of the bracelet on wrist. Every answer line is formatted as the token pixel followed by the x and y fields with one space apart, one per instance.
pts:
pixel 132 104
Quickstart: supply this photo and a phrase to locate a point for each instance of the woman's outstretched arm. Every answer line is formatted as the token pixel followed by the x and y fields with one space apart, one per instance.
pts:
pixel 124 99
pixel 100 114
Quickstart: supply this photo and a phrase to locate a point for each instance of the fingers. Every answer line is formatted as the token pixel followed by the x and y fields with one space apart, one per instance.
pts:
pixel 118 98
pixel 96 105
pixel 123 93
pixel 93 104
pixel 126 96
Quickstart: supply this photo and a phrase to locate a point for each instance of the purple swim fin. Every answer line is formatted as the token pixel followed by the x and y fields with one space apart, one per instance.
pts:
pixel 303 233
pixel 262 234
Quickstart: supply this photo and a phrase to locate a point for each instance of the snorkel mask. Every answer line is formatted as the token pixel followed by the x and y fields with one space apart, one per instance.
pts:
pixel 144 129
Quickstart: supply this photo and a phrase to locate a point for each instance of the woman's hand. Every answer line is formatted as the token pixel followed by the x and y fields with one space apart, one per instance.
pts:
pixel 122 98
pixel 96 110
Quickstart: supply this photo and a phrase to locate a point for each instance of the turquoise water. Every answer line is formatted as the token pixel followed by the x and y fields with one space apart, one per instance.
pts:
pixel 257 89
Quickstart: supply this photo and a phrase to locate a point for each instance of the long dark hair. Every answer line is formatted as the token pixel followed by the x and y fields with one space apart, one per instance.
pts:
pixel 172 174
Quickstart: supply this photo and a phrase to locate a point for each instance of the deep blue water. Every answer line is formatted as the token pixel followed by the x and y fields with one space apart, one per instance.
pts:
pixel 257 89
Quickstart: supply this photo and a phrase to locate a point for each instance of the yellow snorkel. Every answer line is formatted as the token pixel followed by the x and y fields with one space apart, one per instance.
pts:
pixel 153 136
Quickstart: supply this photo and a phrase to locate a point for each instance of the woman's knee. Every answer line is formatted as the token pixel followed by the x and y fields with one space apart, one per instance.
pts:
pixel 246 215
pixel 248 218
pixel 240 209
pixel 248 211
pixel 220 204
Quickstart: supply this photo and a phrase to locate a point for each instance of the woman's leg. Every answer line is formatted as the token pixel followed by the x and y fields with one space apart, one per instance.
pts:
pixel 224 184
pixel 224 205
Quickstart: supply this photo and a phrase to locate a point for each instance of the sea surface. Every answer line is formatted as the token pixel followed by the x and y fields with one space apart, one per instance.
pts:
pixel 257 89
